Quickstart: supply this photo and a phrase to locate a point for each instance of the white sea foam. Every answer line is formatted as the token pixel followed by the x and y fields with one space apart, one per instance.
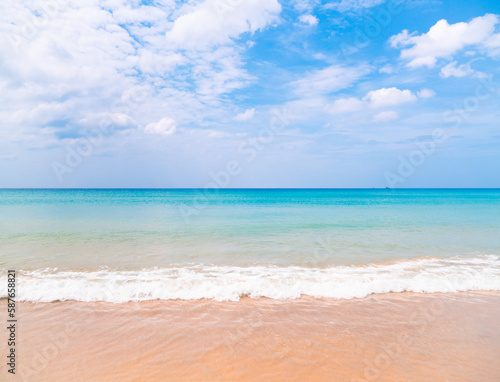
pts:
pixel 230 283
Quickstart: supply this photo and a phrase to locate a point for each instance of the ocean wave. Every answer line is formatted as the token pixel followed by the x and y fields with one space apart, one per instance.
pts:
pixel 225 283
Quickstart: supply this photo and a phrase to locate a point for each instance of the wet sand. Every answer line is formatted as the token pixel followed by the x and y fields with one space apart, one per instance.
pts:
pixel 392 337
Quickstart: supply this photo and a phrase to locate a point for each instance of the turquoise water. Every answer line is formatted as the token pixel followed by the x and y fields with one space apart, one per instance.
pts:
pixel 131 230
pixel 284 227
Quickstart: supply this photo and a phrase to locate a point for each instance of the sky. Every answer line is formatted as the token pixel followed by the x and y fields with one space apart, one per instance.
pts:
pixel 249 93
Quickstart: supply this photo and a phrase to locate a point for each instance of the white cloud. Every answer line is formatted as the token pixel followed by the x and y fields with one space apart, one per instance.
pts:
pixel 328 80
pixel 84 62
pixel 444 40
pixel 246 115
pixel 158 64
pixel 389 97
pixel 219 71
pixel 352 5
pixel 305 5
pixel 374 99
pixel 492 45
pixel 386 116
pixel 452 70
pixel 118 120
pixel 212 23
pixel 387 69
pixel 345 105
pixel 309 20
pixel 426 93
pixel 165 126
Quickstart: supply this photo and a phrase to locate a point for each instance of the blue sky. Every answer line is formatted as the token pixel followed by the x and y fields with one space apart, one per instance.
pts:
pixel 250 93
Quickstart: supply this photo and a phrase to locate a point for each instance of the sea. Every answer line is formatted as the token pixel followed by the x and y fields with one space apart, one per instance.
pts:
pixel 123 245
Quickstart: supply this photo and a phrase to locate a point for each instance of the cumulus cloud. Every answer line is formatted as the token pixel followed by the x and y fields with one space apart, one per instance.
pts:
pixel 309 20
pixel 386 116
pixel 454 70
pixel 345 105
pixel 387 69
pixel 389 97
pixel 492 45
pixel 426 93
pixel 374 99
pixel 216 22
pixel 444 40
pixel 246 115
pixel 165 126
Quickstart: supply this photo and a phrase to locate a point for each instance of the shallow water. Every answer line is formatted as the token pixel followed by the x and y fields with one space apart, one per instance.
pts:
pixel 395 337
pixel 148 244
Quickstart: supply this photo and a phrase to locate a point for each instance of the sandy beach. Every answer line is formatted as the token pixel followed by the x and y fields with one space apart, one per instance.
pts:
pixel 391 337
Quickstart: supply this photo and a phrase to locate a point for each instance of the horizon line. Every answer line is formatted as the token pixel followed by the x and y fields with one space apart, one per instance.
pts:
pixel 249 188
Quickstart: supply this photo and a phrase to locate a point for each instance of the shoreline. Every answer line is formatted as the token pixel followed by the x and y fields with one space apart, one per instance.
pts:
pixel 263 300
pixel 230 283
